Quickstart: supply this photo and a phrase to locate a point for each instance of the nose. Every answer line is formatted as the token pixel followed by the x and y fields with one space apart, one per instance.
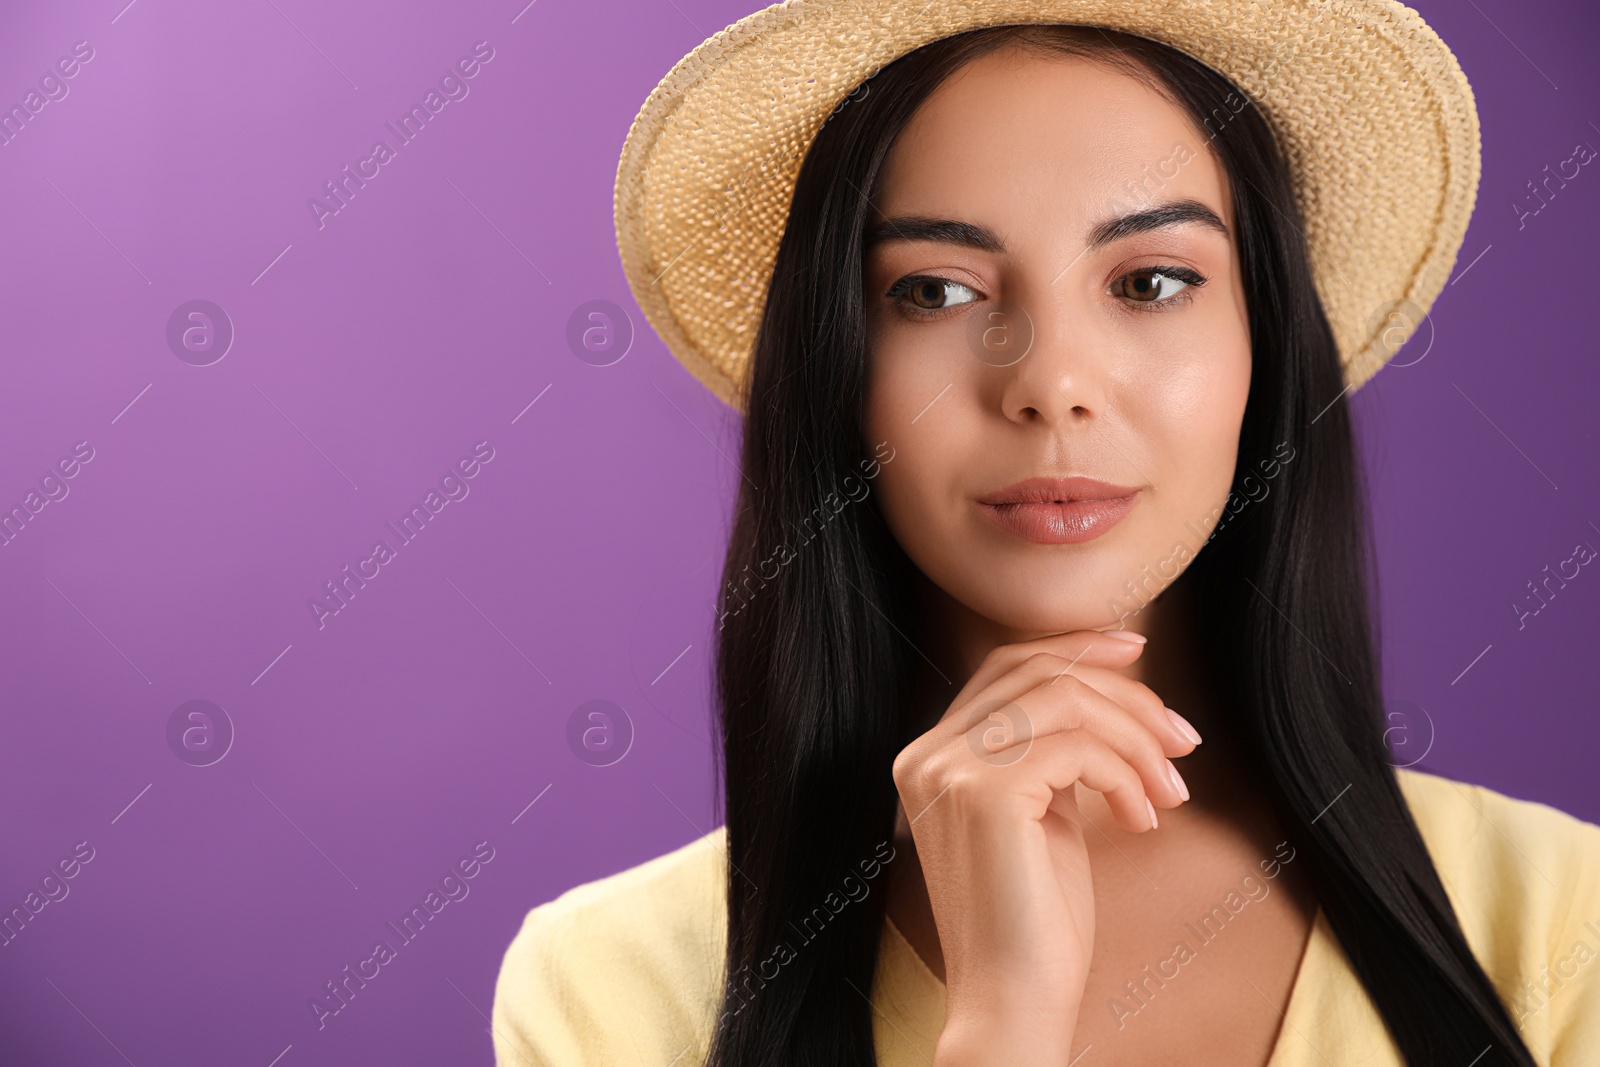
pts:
pixel 1060 381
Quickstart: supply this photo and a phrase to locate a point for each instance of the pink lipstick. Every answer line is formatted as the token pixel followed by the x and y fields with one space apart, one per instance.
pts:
pixel 1058 511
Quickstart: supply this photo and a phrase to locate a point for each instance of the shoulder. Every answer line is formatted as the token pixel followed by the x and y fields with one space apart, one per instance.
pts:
pixel 1524 880
pixel 1494 851
pixel 627 968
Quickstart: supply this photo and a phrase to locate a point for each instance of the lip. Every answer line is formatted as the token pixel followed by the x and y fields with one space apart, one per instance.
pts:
pixel 1058 511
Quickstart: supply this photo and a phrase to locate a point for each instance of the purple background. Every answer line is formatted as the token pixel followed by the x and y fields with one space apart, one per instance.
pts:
pixel 430 314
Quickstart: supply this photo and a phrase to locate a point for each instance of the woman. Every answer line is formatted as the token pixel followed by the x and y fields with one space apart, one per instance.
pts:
pixel 1057 295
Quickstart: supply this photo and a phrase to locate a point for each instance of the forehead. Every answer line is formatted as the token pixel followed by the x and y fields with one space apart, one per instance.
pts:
pixel 1018 139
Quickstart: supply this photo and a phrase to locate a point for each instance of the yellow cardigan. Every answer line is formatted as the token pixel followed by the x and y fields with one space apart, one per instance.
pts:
pixel 628 969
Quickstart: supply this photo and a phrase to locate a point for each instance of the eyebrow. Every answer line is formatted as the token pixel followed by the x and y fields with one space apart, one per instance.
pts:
pixel 972 235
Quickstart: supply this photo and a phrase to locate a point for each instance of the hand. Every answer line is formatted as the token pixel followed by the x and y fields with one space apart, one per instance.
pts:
pixel 989 795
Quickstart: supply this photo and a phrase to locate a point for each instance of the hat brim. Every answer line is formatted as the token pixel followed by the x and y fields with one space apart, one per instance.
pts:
pixel 1371 109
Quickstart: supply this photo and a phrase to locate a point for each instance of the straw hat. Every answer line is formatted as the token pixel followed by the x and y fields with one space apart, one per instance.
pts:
pixel 1369 106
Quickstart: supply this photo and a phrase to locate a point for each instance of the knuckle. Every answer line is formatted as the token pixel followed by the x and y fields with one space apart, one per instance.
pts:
pixel 997 655
pixel 1147 697
pixel 1054 716
pixel 932 770
pixel 1114 765
pixel 1147 749
pixel 1071 685
pixel 1045 661
pixel 1109 755
pixel 964 784
pixel 1081 739
pixel 909 767
pixel 1129 782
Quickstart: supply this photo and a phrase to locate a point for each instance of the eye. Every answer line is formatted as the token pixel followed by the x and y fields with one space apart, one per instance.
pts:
pixel 1155 285
pixel 924 293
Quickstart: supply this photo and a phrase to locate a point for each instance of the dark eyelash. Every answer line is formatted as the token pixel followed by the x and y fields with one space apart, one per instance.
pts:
pixel 900 288
pixel 1183 274
pixel 1191 278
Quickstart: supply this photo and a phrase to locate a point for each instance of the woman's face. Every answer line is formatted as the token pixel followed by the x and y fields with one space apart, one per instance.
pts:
pixel 1030 336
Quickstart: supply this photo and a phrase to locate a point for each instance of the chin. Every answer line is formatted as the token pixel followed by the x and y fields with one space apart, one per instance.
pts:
pixel 1057 605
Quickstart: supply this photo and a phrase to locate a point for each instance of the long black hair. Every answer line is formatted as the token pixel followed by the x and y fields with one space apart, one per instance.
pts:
pixel 814 654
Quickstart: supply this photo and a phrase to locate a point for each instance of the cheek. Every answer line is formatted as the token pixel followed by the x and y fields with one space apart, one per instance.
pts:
pixel 911 389
pixel 918 492
pixel 908 368
pixel 913 490
pixel 1202 402
pixel 1200 412
pixel 1182 396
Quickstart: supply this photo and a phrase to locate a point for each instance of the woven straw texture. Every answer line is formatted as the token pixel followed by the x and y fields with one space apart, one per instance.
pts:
pixel 1370 107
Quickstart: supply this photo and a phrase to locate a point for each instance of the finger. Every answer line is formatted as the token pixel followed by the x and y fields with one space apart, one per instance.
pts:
pixel 1054 762
pixel 1094 647
pixel 1143 702
pixel 1073 704
pixel 989 705
pixel 1088 647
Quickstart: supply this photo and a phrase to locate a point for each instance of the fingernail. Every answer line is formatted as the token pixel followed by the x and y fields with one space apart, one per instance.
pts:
pixel 1125 635
pixel 1154 822
pixel 1177 780
pixel 1184 727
